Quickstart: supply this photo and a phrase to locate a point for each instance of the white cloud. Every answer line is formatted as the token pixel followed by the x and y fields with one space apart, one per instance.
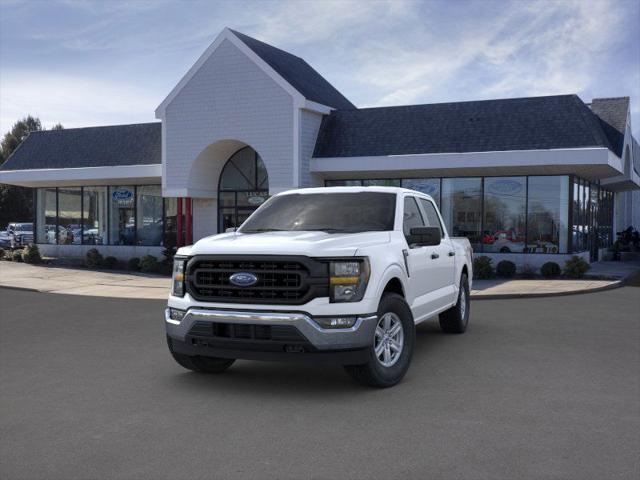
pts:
pixel 72 101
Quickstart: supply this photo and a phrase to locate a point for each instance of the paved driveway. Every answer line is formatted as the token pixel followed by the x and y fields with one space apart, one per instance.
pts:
pixel 537 388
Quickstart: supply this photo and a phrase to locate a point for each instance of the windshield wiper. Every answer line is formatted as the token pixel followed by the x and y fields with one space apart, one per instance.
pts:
pixel 261 230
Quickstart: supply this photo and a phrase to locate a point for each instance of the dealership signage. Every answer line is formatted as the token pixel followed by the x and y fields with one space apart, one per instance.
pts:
pixel 505 187
pixel 122 196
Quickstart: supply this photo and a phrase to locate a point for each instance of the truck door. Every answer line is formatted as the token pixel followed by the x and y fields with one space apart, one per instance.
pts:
pixel 422 280
pixel 443 267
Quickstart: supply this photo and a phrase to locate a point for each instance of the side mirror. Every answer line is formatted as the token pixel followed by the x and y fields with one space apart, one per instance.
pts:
pixel 230 229
pixel 424 237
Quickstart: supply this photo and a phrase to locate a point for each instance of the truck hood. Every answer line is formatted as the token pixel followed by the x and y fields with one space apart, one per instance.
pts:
pixel 312 244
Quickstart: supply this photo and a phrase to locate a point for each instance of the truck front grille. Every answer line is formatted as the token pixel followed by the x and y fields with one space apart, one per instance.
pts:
pixel 245 331
pixel 290 280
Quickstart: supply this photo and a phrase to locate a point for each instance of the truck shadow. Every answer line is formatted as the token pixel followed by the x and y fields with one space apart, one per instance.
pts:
pixel 291 380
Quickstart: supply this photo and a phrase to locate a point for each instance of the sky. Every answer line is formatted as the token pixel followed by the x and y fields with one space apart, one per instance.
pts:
pixel 86 63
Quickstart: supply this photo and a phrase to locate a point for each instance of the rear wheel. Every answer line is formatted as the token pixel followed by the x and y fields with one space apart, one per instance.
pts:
pixel 456 319
pixel 201 364
pixel 391 346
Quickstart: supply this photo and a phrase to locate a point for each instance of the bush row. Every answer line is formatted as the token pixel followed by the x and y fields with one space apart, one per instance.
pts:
pixel 29 254
pixel 483 269
pixel 146 264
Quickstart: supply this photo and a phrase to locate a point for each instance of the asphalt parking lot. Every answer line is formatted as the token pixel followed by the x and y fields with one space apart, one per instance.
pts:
pixel 537 388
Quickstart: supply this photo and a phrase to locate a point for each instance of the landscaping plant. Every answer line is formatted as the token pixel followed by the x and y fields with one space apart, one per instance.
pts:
pixel 1 253
pixel 134 264
pixel 93 259
pixel 149 264
pixel 31 254
pixel 576 267
pixel 110 263
pixel 506 269
pixel 482 268
pixel 550 270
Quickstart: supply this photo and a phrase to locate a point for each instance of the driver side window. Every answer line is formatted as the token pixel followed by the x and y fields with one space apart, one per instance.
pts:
pixel 412 217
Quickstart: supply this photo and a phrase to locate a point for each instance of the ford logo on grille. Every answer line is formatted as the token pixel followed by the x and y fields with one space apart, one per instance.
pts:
pixel 243 279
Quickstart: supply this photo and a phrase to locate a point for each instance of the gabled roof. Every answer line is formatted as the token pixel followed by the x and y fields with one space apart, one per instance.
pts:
pixel 115 145
pixel 298 73
pixel 612 113
pixel 551 122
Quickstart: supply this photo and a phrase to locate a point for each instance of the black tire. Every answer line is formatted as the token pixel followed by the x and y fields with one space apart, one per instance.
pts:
pixel 201 364
pixel 373 373
pixel 453 320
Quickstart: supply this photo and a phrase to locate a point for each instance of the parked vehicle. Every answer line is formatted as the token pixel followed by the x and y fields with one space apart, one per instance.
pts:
pixel 19 234
pixel 339 274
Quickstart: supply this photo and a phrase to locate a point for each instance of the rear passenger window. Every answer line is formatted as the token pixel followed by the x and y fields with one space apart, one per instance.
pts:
pixel 412 217
pixel 432 216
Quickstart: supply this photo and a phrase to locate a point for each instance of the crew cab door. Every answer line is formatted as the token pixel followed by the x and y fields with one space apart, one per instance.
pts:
pixel 423 281
pixel 444 265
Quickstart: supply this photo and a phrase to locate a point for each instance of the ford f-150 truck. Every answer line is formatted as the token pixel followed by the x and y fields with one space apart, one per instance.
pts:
pixel 337 274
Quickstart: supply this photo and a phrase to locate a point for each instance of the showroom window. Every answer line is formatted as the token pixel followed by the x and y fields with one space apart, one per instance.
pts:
pixel 547 214
pixel 149 215
pixel 461 208
pixel 46 215
pixel 519 214
pixel 94 208
pixel 505 215
pixel 69 216
pixel 105 216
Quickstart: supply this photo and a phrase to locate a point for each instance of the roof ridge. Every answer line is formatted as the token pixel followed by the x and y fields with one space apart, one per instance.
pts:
pixel 487 100
pixel 97 126
pixel 235 32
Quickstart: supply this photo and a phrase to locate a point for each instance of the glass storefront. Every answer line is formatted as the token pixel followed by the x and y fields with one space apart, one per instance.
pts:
pixel 244 186
pixel 505 215
pixel 519 214
pixel 461 208
pixel 115 215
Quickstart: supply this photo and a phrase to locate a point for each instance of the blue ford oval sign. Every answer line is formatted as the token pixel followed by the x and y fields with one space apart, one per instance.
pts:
pixel 243 279
pixel 122 194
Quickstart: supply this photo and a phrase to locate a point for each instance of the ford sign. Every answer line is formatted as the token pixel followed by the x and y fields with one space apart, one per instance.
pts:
pixel 122 194
pixel 243 279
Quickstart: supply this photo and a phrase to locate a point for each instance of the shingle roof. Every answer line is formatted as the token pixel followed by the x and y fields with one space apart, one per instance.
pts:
pixel 138 144
pixel 562 121
pixel 298 73
pixel 612 113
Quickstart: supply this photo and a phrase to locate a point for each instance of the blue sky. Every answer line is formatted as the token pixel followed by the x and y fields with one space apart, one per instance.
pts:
pixel 84 63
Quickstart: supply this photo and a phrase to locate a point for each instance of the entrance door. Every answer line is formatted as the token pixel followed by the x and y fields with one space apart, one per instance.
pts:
pixel 244 186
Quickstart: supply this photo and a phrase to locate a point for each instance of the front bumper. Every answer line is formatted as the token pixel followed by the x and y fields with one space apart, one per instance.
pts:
pixel 195 335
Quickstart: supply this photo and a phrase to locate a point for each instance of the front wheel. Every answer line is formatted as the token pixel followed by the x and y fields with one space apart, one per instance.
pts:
pixel 391 347
pixel 456 319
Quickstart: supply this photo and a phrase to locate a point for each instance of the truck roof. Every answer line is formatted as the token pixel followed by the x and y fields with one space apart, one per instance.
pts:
pixel 353 189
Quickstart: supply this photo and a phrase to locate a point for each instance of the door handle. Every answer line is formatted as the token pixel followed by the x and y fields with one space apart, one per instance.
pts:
pixel 452 254
pixel 434 256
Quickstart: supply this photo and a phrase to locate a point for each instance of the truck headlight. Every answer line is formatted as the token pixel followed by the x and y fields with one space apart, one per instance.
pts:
pixel 177 279
pixel 348 279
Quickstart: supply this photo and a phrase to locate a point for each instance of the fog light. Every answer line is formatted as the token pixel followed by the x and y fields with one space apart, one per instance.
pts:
pixel 335 322
pixel 177 315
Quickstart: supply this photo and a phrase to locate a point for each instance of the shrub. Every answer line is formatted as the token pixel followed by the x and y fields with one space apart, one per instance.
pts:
pixel 149 264
pixel 527 271
pixel 31 254
pixel 576 267
pixel 93 259
pixel 1 253
pixel 506 269
pixel 550 270
pixel 16 256
pixel 134 264
pixel 482 268
pixel 110 263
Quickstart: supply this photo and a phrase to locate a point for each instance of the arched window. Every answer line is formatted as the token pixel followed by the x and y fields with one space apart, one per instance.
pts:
pixel 244 186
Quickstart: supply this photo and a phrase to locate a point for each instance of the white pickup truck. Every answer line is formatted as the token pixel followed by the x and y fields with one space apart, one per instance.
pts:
pixel 337 274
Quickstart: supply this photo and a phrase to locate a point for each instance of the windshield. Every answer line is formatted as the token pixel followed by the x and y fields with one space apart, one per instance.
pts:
pixel 24 227
pixel 329 212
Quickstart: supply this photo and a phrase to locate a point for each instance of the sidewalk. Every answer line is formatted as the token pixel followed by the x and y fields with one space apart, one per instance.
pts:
pixel 78 281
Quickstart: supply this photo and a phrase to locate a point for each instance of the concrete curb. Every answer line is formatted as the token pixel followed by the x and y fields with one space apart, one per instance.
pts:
pixel 510 296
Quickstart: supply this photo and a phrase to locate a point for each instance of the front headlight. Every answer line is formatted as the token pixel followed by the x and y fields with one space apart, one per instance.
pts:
pixel 177 279
pixel 348 279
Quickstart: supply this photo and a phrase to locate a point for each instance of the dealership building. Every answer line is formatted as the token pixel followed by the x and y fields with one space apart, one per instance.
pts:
pixel 525 179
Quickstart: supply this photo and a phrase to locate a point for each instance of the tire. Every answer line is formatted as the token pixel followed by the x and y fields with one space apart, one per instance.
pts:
pixel 201 364
pixel 505 250
pixel 375 373
pixel 456 319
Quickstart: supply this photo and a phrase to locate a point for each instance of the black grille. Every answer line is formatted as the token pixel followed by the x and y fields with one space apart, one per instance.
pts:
pixel 245 331
pixel 290 280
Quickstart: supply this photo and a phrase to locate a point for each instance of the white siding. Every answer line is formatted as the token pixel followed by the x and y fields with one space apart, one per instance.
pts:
pixel 229 97
pixel 205 217
pixel 309 126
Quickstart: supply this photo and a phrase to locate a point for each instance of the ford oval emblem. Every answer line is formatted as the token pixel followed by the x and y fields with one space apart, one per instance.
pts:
pixel 243 279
